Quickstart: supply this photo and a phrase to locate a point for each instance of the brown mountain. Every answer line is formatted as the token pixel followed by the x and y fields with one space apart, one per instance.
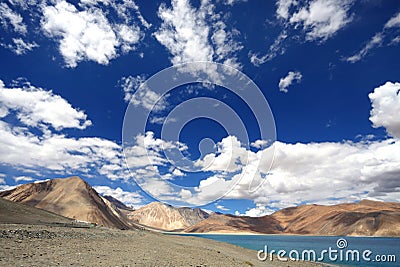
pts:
pixel 70 197
pixel 165 217
pixel 226 223
pixel 367 218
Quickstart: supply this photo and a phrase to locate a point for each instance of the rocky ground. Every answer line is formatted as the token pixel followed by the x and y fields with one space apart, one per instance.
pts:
pixel 39 245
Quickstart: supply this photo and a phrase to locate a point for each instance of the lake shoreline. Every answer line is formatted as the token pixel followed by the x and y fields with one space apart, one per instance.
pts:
pixel 261 234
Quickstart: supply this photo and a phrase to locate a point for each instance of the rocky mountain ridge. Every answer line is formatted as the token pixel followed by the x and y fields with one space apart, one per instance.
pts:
pixel 74 198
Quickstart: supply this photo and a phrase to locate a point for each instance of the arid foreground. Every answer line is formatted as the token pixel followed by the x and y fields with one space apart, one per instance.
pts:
pixel 40 245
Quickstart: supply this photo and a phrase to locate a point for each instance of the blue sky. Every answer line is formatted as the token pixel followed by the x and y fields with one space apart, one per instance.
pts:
pixel 329 70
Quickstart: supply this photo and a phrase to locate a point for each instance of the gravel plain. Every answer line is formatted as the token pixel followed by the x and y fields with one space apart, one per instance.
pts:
pixel 44 245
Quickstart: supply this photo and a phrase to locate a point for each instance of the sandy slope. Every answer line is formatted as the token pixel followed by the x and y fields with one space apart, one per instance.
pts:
pixel 28 245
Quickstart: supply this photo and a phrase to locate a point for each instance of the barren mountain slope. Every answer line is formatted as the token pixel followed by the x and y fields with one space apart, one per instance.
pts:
pixel 367 217
pixel 70 197
pixel 236 224
pixel 161 216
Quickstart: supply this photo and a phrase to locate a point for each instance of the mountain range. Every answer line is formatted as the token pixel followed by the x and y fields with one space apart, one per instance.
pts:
pixel 75 199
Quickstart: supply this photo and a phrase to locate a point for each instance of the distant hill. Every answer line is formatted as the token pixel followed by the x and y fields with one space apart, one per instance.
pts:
pixel 70 197
pixel 226 223
pixel 166 217
pixel 368 218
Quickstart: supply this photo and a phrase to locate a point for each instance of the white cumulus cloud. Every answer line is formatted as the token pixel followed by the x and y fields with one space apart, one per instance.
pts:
pixel 386 108
pixel 258 211
pixel 87 34
pixel 285 82
pixel 38 107
pixel 192 34
pixel 37 148
pixel 321 19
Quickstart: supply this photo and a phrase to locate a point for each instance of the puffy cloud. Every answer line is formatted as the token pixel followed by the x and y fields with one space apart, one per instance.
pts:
pixel 385 111
pixel 128 36
pixel 378 39
pixel 292 76
pixel 258 211
pixel 184 32
pixel 148 151
pixel 84 35
pixel 192 34
pixel 87 34
pixel 259 143
pixel 38 108
pixel 9 17
pixel 131 199
pixel 230 157
pixel 321 19
pixel 38 149
pixel 55 152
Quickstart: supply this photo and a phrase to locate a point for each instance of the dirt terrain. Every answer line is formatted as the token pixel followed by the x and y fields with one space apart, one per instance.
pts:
pixel 42 245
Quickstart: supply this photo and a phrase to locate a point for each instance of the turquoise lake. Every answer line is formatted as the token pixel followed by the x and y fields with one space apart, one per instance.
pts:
pixel 371 251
